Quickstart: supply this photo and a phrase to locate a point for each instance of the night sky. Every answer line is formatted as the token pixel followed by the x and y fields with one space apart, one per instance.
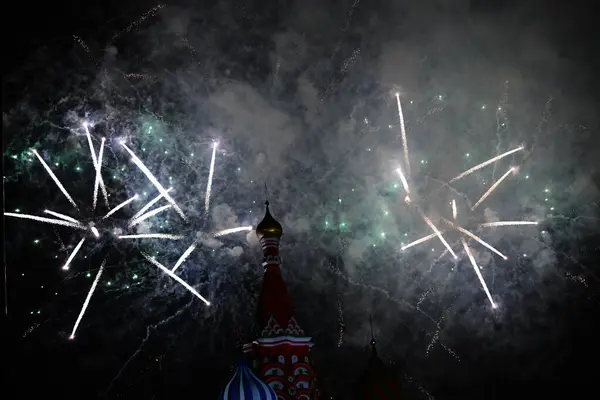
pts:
pixel 301 97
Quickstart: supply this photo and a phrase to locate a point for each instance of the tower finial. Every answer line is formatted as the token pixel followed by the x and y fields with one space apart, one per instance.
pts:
pixel 373 342
pixel 266 195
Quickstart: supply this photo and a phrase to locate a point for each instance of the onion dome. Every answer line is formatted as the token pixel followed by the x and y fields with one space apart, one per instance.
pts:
pixel 246 386
pixel 269 227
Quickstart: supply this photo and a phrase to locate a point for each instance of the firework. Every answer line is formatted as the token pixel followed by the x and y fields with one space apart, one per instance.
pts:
pixel 73 253
pixel 63 216
pixel 175 277
pixel 453 225
pixel 211 171
pixel 486 163
pixel 149 214
pixel 184 256
pixel 492 188
pixel 68 221
pixel 233 230
pixel 477 272
pixel 404 184
pixel 150 204
pixel 97 162
pixel 403 131
pixel 477 238
pixel 152 236
pixel 154 181
pixel 46 220
pixel 55 179
pixel 118 207
pixel 508 223
pixel 87 299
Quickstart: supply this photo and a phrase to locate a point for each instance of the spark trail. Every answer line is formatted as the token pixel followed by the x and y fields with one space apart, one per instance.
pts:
pixel 97 162
pixel 154 181
pixel 73 253
pixel 403 132
pixel 211 171
pixel 507 223
pixel 477 238
pixel 46 220
pixel 493 187
pixel 476 268
pixel 150 204
pixel 389 297
pixel 439 235
pixel 149 214
pixel 152 236
pixel 87 299
pixel 118 207
pixel 341 323
pixel 150 13
pixel 63 216
pixel 184 256
pixel 55 179
pixel 178 279
pixel 99 181
pixel 404 184
pixel 421 389
pixel 483 164
pixel 419 241
pixel 149 330
pixel 233 230
pixel 87 50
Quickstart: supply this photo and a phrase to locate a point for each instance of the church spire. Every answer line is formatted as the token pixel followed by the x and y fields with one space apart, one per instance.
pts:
pixel 377 382
pixel 281 352
pixel 373 342
pixel 274 307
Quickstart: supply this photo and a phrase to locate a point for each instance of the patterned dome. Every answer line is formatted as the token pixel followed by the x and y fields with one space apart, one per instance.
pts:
pixel 246 386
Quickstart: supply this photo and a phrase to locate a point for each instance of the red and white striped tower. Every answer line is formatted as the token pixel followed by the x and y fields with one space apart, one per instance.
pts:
pixel 281 352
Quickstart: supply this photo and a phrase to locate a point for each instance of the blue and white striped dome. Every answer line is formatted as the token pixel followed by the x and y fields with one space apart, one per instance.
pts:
pixel 246 386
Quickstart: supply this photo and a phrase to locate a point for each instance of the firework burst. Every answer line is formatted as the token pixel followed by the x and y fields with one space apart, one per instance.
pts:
pixel 96 225
pixel 196 242
pixel 453 225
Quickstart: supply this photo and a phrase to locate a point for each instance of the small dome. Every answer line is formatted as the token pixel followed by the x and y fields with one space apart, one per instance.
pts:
pixel 269 227
pixel 246 385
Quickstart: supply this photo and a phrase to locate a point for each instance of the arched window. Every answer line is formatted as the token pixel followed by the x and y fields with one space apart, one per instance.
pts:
pixel 276 385
pixel 281 359
pixel 274 372
pixel 294 359
pixel 302 385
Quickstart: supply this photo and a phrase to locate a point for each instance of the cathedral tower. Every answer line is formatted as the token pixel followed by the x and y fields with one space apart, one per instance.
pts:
pixel 377 382
pixel 281 352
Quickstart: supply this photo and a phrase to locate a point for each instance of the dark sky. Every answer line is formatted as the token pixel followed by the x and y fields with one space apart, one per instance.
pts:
pixel 300 96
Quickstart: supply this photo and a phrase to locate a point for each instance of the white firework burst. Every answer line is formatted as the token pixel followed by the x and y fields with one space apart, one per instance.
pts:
pixel 91 229
pixel 452 224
